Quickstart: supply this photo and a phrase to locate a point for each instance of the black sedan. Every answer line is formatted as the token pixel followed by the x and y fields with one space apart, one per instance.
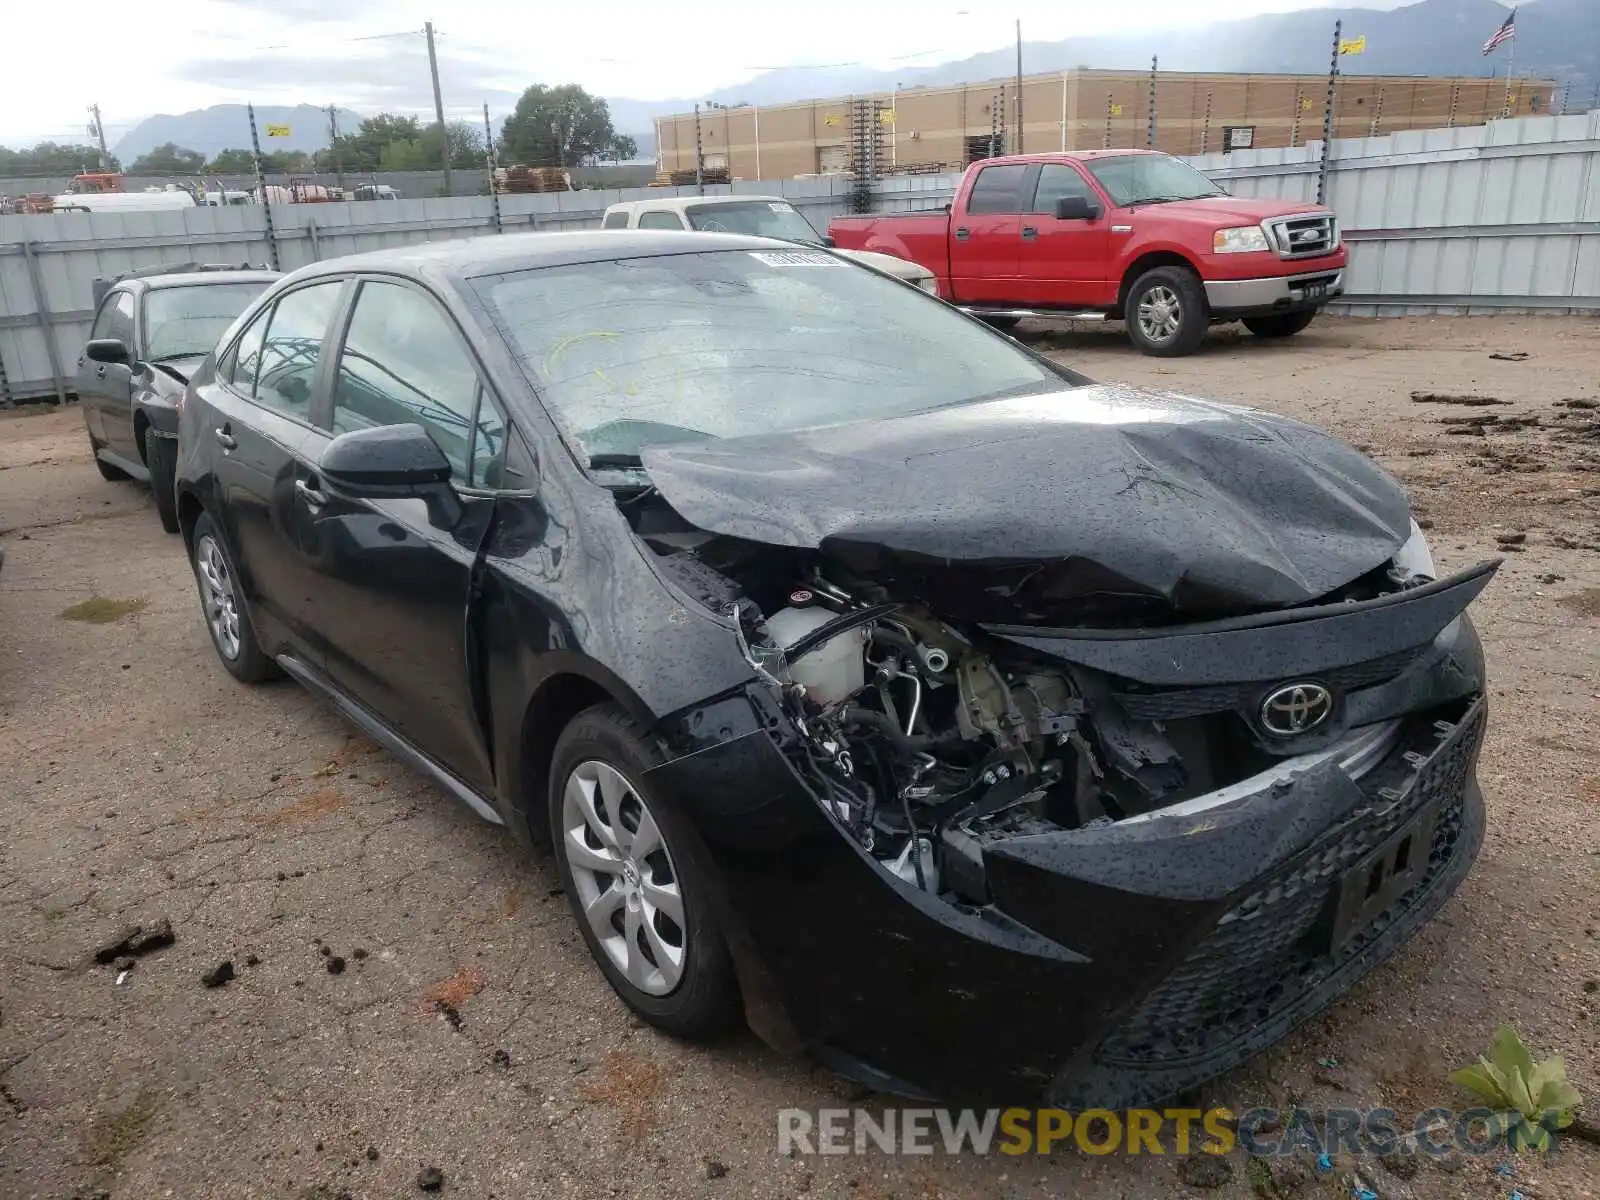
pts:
pixel 151 329
pixel 983 731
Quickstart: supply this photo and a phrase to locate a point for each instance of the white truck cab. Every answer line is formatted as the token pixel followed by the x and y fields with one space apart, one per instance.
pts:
pixel 753 216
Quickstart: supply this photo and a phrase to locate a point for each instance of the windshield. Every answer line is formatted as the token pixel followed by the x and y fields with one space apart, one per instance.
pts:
pixel 758 218
pixel 1142 178
pixel 180 321
pixel 638 352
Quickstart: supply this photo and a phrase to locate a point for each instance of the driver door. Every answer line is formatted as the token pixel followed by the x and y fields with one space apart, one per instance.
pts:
pixel 1063 264
pixel 105 390
pixel 394 586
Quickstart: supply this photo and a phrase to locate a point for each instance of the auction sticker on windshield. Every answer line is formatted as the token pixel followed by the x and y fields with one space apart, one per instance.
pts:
pixel 796 258
pixel 780 206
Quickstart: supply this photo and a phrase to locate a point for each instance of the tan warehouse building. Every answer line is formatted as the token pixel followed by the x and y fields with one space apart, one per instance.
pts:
pixel 947 127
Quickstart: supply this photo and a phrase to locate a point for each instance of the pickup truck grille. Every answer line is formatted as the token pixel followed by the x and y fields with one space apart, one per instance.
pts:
pixel 1306 235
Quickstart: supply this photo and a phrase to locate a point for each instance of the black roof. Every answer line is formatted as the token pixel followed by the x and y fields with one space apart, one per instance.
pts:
pixel 496 254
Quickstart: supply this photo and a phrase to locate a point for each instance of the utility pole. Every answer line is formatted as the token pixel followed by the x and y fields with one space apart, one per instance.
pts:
pixel 1019 85
pixel 100 136
pixel 438 109
pixel 490 164
pixel 261 190
pixel 333 144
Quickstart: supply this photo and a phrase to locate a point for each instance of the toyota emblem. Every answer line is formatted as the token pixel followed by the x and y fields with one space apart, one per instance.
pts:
pixel 1296 708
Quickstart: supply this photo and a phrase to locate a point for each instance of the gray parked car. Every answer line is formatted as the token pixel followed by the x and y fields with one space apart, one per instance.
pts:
pixel 152 328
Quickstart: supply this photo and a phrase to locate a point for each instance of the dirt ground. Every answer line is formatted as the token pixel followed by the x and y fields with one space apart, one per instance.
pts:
pixel 138 781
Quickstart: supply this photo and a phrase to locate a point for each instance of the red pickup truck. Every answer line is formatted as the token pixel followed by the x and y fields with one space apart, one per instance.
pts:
pixel 1124 234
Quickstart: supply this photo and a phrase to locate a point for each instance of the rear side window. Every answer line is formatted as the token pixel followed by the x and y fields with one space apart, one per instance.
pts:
pixel 615 220
pixel 997 190
pixel 1057 182
pixel 292 348
pixel 660 220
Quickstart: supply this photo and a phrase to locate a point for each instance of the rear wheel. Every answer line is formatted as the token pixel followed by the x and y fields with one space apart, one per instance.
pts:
pixel 1004 324
pixel 1166 312
pixel 223 605
pixel 1286 325
pixel 636 879
pixel 161 456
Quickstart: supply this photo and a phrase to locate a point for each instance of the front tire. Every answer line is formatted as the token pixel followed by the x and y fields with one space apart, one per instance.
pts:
pixel 223 605
pixel 636 878
pixel 107 472
pixel 1285 325
pixel 1166 312
pixel 161 456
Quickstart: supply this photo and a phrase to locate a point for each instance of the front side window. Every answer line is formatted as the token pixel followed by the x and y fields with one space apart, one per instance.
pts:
pixel 758 218
pixel 183 321
pixel 292 348
pixel 116 319
pixel 659 220
pixel 1057 182
pixel 645 351
pixel 403 362
pixel 1150 179
pixel 997 190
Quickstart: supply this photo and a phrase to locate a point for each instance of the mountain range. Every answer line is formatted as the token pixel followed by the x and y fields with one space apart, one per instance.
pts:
pixel 1556 39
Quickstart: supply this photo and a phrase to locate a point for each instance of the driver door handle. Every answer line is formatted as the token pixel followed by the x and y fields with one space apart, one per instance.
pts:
pixel 225 439
pixel 962 233
pixel 308 491
pixel 1029 233
pixel 99 372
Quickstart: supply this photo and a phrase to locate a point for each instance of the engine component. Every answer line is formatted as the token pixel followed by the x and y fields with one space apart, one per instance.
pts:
pixel 831 672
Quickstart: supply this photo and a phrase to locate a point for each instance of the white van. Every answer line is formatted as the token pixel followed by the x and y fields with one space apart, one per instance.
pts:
pixel 122 201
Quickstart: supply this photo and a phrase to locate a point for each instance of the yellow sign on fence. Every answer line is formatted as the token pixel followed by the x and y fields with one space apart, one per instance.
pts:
pixel 277 131
pixel 886 116
pixel 1354 45
pixel 1115 110
pixel 832 119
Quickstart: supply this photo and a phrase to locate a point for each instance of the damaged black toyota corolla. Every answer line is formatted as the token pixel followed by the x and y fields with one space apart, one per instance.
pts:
pixel 987 733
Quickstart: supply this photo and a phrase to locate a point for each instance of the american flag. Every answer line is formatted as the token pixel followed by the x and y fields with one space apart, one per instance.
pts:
pixel 1504 34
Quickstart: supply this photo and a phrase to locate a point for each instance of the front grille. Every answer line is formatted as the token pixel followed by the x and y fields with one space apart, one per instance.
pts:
pixel 1268 953
pixel 1177 703
pixel 1305 236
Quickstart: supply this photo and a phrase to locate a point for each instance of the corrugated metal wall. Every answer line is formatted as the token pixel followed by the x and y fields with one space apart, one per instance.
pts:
pixel 1498 217
pixel 1503 217
pixel 48 264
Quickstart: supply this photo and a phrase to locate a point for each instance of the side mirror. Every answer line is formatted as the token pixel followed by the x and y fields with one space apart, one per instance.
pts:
pixel 827 240
pixel 1076 208
pixel 390 462
pixel 111 351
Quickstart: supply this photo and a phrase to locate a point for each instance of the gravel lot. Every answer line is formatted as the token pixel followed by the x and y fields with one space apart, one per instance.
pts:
pixel 137 781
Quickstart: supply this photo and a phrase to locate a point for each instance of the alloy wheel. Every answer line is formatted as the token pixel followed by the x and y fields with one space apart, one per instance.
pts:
pixel 217 596
pixel 626 882
pixel 1160 313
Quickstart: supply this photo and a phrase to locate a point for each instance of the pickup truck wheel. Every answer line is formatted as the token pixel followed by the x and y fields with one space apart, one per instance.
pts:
pixel 1166 312
pixel 1283 326
pixel 161 456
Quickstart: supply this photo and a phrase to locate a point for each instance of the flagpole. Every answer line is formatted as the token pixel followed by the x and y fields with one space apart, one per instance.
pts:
pixel 1511 60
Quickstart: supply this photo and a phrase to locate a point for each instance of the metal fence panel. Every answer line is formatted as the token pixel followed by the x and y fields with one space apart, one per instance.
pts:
pixel 1497 217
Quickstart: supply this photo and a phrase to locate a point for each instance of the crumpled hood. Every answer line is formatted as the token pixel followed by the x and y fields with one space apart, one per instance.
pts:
pixel 1027 503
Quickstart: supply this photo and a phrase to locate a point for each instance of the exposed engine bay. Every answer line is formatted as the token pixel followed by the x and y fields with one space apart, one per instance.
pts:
pixel 928 738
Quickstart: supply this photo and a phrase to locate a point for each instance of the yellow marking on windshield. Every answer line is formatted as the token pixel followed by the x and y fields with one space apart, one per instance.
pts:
pixel 562 346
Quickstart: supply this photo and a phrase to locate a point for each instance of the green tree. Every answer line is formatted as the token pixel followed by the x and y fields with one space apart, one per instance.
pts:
pixel 558 127
pixel 51 158
pixel 169 159
pixel 232 162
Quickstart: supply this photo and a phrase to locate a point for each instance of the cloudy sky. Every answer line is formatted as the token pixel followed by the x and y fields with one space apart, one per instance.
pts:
pixel 152 56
